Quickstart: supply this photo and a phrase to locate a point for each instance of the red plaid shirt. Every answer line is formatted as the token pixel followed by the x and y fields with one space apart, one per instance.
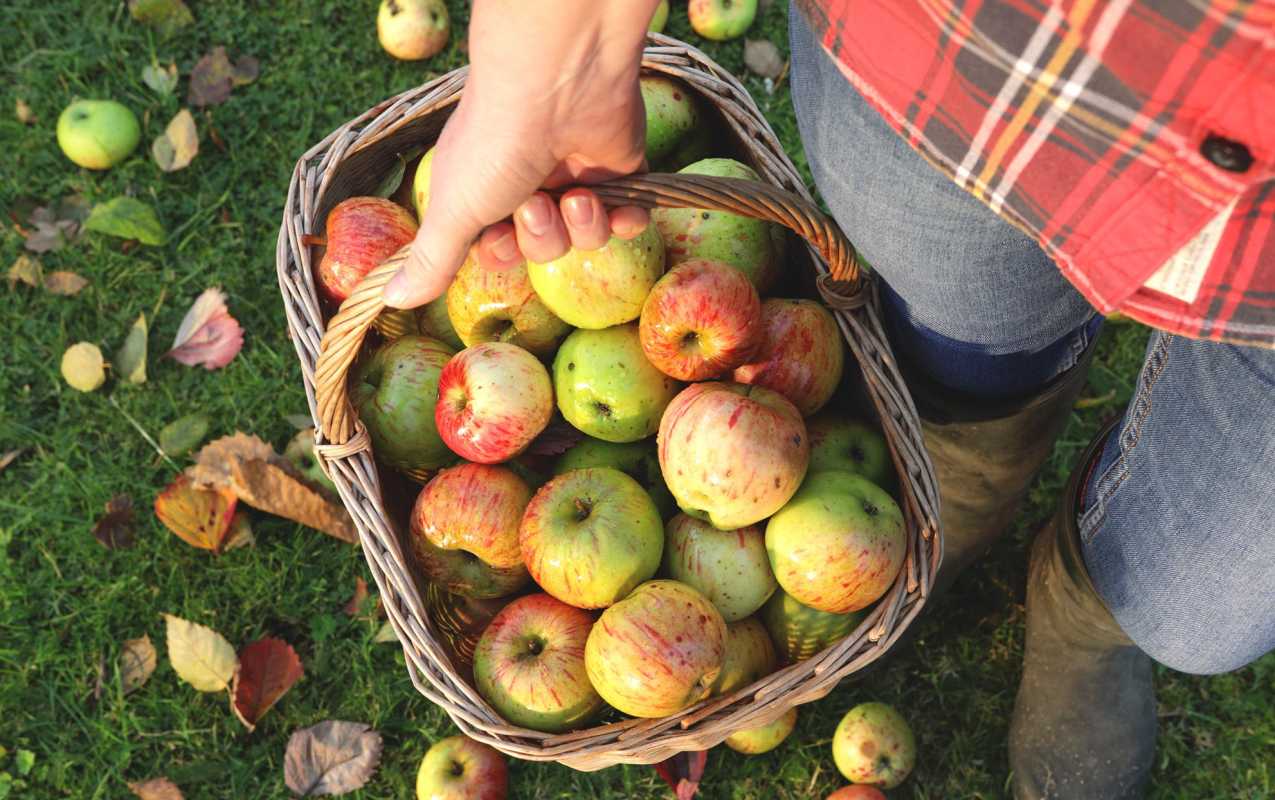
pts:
pixel 1133 139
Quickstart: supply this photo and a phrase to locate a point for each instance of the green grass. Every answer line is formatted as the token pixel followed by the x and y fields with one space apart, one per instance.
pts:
pixel 66 603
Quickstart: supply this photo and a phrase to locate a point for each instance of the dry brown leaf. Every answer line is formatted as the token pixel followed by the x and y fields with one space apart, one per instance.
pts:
pixel 114 529
pixel 213 77
pixel 356 602
pixel 156 789
pixel 26 270
pixel 267 670
pixel 64 283
pixel 136 663
pixel 240 534
pixel 23 112
pixel 333 757
pixel 9 455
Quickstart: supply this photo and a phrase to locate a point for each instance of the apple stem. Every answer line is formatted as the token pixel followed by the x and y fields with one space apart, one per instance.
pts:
pixel 583 507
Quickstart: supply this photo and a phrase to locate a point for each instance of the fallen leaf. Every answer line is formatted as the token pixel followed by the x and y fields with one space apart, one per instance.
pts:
pixel 156 789
pixel 114 529
pixel 130 360
pixel 182 434
pixel 23 112
pixel 762 58
pixel 50 230
pixel 558 437
pixel 127 218
pixel 214 77
pixel 208 335
pixel 177 146
pixel 333 757
pixel 240 534
pixel 64 283
pixel 165 16
pixel 355 603
pixel 26 270
pixel 385 634
pixel 136 663
pixel 199 516
pixel 9 456
pixel 83 367
pixel 682 772
pixel 394 178
pixel 267 670
pixel 200 656
pixel 260 477
pixel 161 80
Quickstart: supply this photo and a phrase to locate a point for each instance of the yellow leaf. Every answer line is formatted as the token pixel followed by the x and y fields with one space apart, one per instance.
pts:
pixel 200 656
pixel 177 146
pixel 136 663
pixel 83 367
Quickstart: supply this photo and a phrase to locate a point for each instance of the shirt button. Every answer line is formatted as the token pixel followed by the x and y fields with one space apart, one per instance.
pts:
pixel 1226 154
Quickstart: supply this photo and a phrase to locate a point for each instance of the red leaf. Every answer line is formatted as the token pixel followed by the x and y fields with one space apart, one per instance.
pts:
pixel 208 335
pixel 114 529
pixel 267 669
pixel 683 771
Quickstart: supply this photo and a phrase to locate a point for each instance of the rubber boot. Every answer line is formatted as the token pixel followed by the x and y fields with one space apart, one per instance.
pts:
pixel 986 453
pixel 1084 723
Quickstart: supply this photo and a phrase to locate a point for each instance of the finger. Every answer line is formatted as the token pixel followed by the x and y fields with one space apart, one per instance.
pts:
pixel 430 266
pixel 498 247
pixel 586 219
pixel 628 222
pixel 541 234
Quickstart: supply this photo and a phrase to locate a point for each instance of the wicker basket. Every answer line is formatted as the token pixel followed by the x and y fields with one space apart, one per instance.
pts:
pixel 351 161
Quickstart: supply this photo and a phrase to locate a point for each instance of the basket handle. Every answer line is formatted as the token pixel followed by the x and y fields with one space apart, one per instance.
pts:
pixel 841 287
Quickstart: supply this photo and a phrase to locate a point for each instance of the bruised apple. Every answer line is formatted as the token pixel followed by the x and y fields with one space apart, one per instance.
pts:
pixel 493 399
pixel 801 354
pixel 361 233
pixel 874 745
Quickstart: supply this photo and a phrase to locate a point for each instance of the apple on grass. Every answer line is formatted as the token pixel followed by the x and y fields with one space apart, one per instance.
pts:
pixel 411 30
pixel 701 319
pixel 395 392
pixel 97 134
pixel 837 442
pixel 464 530
pixel 802 354
pixel 838 544
pixel 361 233
pixel 605 386
pixel 672 114
pixel 732 454
pixel 657 651
pixel 874 745
pixel 660 18
pixel 638 460
pixel 530 665
pixel 800 632
pixel 589 536
pixel 596 289
pixel 728 567
pixel 720 20
pixel 490 305
pixel 857 793
pixel 752 246
pixel 458 768
pixel 493 399
pixel 750 656
pixel 763 738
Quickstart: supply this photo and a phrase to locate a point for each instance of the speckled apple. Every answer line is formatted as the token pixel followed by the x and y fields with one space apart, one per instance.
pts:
pixel 596 289
pixel 362 232
pixel 458 768
pixel 493 399
pixel 672 114
pixel 499 305
pixel 763 738
pixel 750 656
pixel 730 568
pixel 395 392
pixel 874 745
pixel 721 20
pixel 802 354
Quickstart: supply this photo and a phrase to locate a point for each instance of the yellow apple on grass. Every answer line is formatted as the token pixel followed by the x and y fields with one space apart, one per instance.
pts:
pixel 411 30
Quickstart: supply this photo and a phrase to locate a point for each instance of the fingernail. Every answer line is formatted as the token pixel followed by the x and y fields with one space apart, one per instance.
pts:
pixel 505 248
pixel 579 211
pixel 536 215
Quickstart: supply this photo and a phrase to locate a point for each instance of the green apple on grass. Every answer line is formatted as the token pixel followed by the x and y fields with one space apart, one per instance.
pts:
pixel 606 388
pixel 596 289
pixel 638 460
pixel 97 134
pixel 728 567
pixel 411 30
pixel 720 20
pixel 763 738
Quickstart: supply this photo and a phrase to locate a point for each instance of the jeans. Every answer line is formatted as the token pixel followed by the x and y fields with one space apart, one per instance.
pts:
pixel 1178 525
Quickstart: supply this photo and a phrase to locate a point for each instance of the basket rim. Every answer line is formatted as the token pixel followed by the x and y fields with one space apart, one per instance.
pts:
pixel 355 473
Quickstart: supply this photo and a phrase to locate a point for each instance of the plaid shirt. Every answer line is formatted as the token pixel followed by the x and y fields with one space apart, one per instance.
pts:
pixel 1133 139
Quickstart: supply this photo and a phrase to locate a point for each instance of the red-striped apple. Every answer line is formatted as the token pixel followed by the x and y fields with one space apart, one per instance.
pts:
pixel 720 20
pixel 361 232
pixel 750 656
pixel 801 355
pixel 874 745
pixel 763 738
pixel 529 665
pixel 458 768
pixel 499 305
pixel 657 651
pixel 493 399
pixel 732 454
pixel 730 568
pixel 702 318
pixel 395 392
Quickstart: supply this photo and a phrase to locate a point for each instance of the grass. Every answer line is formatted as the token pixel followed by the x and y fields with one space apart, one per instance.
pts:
pixel 66 603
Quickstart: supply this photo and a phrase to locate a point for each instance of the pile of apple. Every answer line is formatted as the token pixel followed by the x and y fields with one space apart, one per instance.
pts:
pixel 713 523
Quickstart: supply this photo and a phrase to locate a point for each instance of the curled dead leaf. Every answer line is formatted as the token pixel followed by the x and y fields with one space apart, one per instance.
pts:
pixel 156 789
pixel 161 80
pixel 200 656
pixel 26 269
pixel 64 283
pixel 354 606
pixel 208 335
pixel 178 145
pixel 8 456
pixel 267 670
pixel 240 533
pixel 201 516
pixel 114 529
pixel 136 663
pixel 83 366
pixel 213 77
pixel 333 757
pixel 130 360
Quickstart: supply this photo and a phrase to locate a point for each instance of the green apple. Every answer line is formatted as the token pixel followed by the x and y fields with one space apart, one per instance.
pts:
pixel 420 183
pixel 606 388
pixel 490 305
pixel 800 632
pixel 590 535
pixel 728 567
pixel 874 745
pixel 97 134
pixel 763 738
pixel 458 768
pixel 599 288
pixel 660 18
pixel 395 392
pixel 750 656
pixel 837 442
pixel 838 544
pixel 720 20
pixel 638 460
pixel 672 114
pixel 694 146
pixel 432 320
pixel 749 245
pixel 300 451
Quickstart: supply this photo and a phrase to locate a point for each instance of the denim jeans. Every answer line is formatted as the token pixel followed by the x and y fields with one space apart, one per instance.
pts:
pixel 1178 526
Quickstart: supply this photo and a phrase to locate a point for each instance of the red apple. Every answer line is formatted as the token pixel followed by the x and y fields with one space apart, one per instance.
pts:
pixel 529 665
pixel 732 454
pixel 362 232
pixel 700 320
pixel 657 651
pixel 857 793
pixel 458 768
pixel 464 530
pixel 493 399
pixel 801 355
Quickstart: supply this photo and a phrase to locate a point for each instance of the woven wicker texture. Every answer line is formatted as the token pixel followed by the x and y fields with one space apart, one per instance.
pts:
pixel 352 160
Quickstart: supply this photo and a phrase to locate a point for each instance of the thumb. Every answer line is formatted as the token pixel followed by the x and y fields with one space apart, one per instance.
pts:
pixel 436 255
